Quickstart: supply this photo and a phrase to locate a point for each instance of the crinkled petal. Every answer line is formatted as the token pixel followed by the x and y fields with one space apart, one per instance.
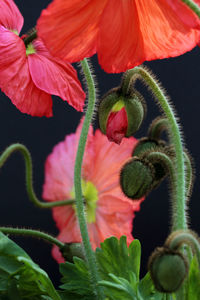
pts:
pixel 59 168
pixel 69 28
pixel 110 224
pixel 132 32
pixel 70 234
pixel 184 13
pixel 15 79
pixel 55 77
pixel 108 161
pixel 10 16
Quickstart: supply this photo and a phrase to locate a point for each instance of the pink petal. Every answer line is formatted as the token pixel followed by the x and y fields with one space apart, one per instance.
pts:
pixel 59 168
pixel 55 77
pixel 114 224
pixel 15 79
pixel 10 16
pixel 109 158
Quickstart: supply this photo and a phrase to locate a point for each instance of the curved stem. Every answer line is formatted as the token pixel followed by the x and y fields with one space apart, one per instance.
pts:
pixel 169 164
pixel 180 237
pixel 157 127
pixel 77 181
pixel 193 6
pixel 189 175
pixel 33 233
pixel 180 222
pixel 29 175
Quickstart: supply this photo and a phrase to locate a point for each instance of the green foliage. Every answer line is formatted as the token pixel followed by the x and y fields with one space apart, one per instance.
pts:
pixel 193 285
pixel 20 277
pixel 119 268
pixel 118 265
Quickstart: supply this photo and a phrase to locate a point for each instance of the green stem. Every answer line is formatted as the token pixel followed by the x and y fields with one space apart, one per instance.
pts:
pixel 29 176
pixel 33 233
pixel 193 6
pixel 178 238
pixel 157 127
pixel 180 222
pixel 77 181
pixel 189 175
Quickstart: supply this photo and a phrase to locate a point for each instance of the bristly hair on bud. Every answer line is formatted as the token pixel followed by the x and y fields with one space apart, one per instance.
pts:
pixel 137 178
pixel 168 269
pixel 121 115
pixel 147 144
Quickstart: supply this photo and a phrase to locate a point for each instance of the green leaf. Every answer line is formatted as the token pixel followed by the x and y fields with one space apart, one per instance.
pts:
pixel 119 288
pixel 193 286
pixel 115 257
pixel 147 290
pixel 20 277
pixel 76 280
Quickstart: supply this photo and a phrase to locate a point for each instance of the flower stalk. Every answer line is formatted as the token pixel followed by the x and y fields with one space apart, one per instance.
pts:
pixel 77 181
pixel 32 233
pixel 29 176
pixel 179 219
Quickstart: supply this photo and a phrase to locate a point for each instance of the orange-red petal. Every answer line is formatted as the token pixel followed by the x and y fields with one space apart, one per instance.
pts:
pixel 69 28
pixel 134 31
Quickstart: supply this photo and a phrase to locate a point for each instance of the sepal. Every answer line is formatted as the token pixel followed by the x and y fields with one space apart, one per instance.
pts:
pixel 120 115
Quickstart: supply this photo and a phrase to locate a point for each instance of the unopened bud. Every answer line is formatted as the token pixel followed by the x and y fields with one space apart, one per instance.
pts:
pixel 69 250
pixel 168 269
pixel 136 178
pixel 146 144
pixel 120 115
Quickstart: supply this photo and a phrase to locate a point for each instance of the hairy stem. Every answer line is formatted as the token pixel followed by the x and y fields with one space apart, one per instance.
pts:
pixel 29 176
pixel 77 181
pixel 33 233
pixel 179 220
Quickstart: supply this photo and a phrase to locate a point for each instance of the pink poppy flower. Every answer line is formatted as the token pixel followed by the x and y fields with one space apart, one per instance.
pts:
pixel 108 211
pixel 29 74
pixel 123 33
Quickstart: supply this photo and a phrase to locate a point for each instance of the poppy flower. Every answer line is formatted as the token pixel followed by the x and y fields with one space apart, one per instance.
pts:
pixel 108 211
pixel 28 73
pixel 123 33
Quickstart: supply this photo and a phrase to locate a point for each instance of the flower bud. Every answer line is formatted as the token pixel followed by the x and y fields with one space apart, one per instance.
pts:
pixel 136 178
pixel 168 269
pixel 69 250
pixel 120 115
pixel 145 144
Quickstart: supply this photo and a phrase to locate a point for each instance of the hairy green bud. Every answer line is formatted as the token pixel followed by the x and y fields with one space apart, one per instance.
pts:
pixel 168 269
pixel 136 178
pixel 72 249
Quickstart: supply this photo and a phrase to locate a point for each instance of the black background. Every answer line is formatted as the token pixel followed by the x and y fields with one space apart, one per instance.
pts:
pixel 179 76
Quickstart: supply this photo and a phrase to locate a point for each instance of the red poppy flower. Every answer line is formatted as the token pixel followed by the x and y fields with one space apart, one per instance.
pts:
pixel 108 211
pixel 123 33
pixel 29 74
